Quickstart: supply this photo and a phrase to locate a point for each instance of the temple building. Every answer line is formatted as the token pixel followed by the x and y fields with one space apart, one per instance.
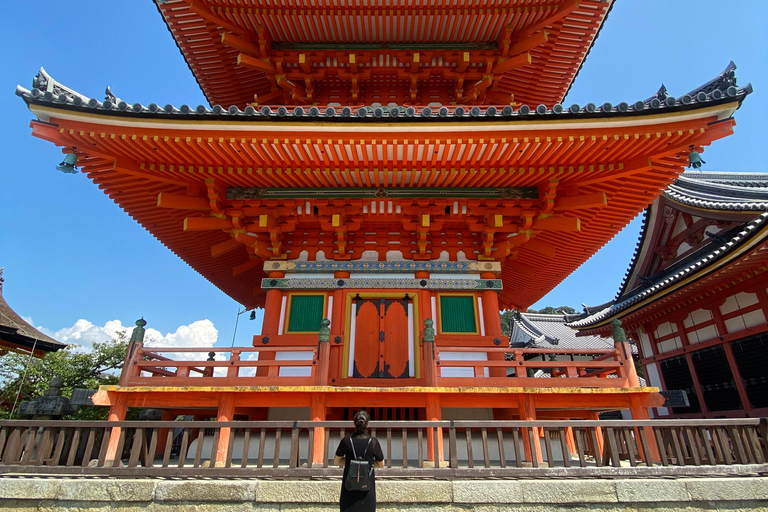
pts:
pixel 382 180
pixel 16 335
pixel 694 297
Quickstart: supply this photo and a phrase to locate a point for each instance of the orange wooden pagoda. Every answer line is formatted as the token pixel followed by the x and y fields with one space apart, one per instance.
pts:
pixel 403 171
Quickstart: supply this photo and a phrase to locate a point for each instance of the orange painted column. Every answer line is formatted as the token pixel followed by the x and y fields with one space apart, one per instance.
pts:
pixel 116 413
pixel 428 367
pixel 162 434
pixel 640 412
pixel 492 322
pixel 226 412
pixel 434 413
pixel 317 412
pixel 598 435
pixel 337 318
pixel 271 326
pixel 528 413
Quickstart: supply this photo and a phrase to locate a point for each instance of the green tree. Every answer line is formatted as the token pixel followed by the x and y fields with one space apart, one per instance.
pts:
pixel 550 310
pixel 507 317
pixel 29 378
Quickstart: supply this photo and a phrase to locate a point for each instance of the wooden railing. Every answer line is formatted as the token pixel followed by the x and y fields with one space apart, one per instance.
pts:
pixel 463 449
pixel 474 363
pixel 151 366
pixel 516 367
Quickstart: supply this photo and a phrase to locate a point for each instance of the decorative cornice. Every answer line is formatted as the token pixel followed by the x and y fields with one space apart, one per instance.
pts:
pixel 383 283
pixel 384 267
pixel 239 193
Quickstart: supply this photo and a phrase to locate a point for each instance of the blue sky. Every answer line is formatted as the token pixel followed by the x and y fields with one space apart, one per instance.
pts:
pixel 78 266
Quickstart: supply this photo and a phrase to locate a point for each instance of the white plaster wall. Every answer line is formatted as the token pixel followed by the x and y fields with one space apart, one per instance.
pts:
pixel 670 344
pixel 295 371
pixel 697 317
pixel 741 299
pixel 652 376
pixel 645 343
pixel 460 371
pixel 743 321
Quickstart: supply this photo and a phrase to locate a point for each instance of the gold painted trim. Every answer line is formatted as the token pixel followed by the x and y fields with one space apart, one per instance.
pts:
pixel 288 311
pixel 439 320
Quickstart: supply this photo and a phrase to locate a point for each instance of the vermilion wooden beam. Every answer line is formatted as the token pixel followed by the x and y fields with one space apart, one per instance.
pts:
pixel 239 44
pixel 255 63
pixel 557 224
pixel 225 247
pixel 529 43
pixel 206 223
pixel 597 200
pixel 178 202
pixel 512 63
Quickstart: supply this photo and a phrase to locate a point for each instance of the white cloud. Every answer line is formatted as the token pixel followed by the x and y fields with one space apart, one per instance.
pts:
pixel 199 334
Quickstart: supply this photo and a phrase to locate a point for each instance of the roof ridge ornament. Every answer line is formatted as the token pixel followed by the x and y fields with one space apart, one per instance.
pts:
pixel 720 83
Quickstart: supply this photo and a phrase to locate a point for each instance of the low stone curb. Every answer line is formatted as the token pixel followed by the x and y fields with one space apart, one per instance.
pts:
pixel 322 494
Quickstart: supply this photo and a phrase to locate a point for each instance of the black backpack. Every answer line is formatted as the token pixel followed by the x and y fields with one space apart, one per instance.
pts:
pixel 360 472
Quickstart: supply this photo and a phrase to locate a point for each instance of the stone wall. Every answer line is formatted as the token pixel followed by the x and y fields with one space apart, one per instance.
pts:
pixel 147 495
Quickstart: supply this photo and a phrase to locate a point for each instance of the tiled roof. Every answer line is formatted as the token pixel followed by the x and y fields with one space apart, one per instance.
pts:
pixel 721 191
pixel 700 262
pixel 13 329
pixel 733 191
pixel 551 331
pixel 46 90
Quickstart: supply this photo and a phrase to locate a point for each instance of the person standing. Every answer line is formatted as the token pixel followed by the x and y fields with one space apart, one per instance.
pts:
pixel 359 445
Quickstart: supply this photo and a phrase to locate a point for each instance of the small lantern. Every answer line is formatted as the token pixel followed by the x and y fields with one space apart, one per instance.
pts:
pixel 69 164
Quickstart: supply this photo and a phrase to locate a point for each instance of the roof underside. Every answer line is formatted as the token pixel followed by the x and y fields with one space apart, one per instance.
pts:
pixel 629 158
pixel 301 50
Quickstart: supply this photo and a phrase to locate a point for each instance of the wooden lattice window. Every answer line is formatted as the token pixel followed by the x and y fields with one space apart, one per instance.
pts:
pixel 457 314
pixel 306 313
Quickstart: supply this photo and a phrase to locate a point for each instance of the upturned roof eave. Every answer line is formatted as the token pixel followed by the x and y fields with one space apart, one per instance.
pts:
pixel 752 234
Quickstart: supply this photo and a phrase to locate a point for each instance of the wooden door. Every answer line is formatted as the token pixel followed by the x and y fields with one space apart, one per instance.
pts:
pixel 381 348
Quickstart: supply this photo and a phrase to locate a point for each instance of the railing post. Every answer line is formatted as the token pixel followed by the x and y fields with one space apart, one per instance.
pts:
pixel 323 352
pixel 428 351
pixel 135 345
pixel 226 412
pixel 527 408
pixel 434 411
pixel 640 412
pixel 621 344
pixel 116 413
pixel 317 413
pixel 234 370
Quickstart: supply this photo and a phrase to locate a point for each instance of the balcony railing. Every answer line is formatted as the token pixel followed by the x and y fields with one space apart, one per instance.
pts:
pixel 303 361
pixel 462 449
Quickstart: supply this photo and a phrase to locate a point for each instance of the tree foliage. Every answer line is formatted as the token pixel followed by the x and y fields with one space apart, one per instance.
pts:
pixel 29 377
pixel 550 310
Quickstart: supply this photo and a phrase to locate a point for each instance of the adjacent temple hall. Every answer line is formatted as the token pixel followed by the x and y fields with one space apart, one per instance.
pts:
pixel 383 180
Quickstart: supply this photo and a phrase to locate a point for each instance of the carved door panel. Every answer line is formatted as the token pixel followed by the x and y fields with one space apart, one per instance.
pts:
pixel 367 339
pixel 381 348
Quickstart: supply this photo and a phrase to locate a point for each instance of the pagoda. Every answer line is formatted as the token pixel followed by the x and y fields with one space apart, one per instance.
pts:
pixel 382 178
